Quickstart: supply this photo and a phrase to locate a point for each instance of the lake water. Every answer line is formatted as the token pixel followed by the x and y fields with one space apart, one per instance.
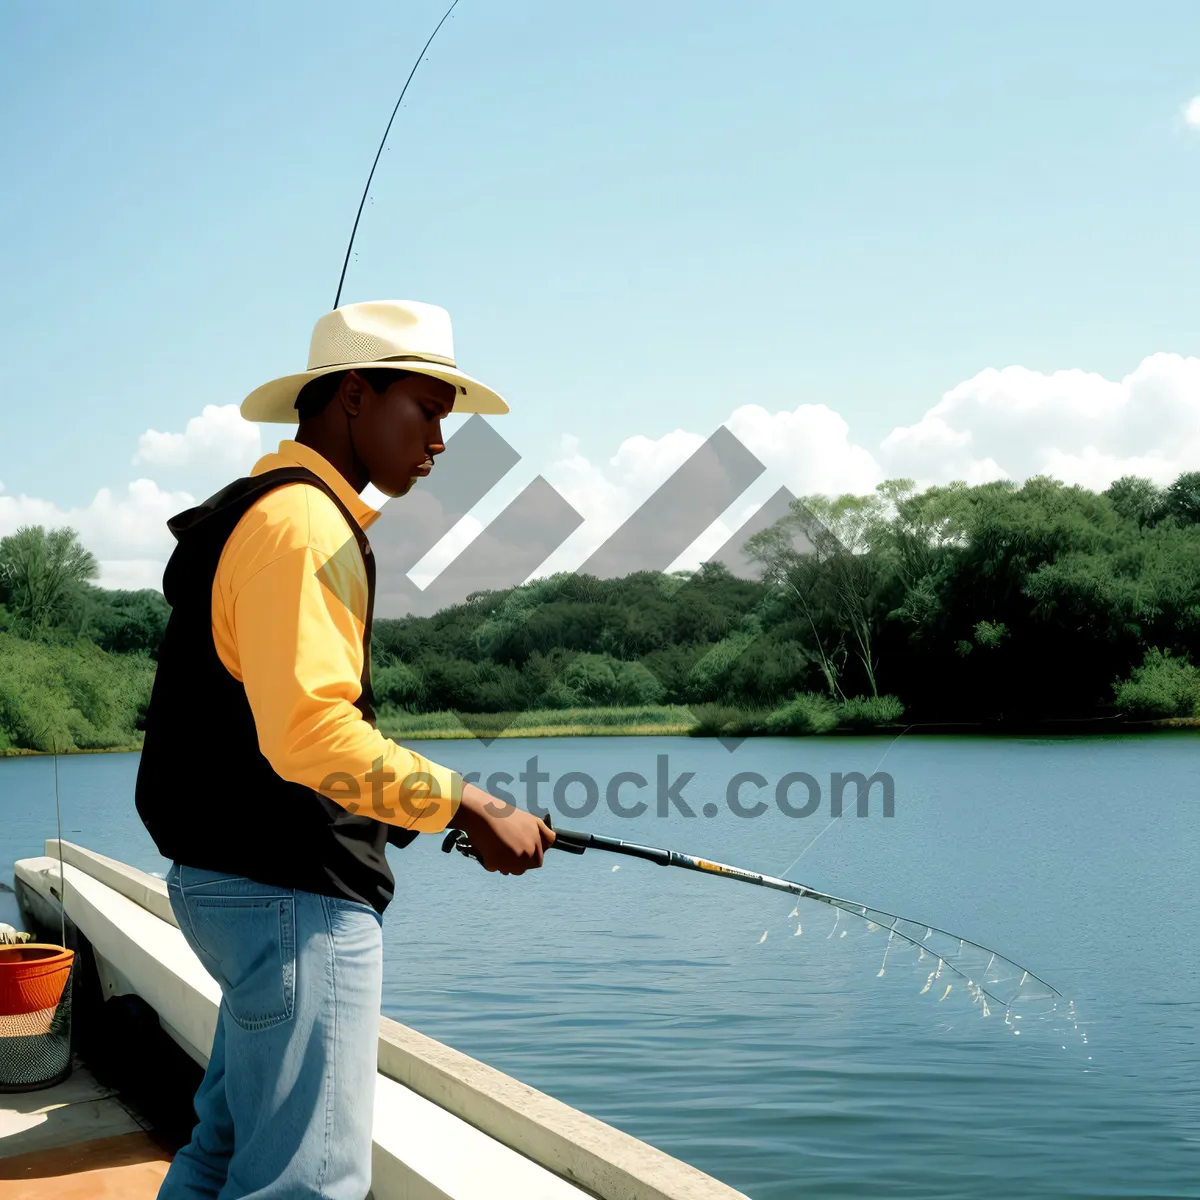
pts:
pixel 787 1067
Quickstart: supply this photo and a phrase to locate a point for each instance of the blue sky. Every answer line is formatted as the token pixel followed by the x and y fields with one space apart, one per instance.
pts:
pixel 642 216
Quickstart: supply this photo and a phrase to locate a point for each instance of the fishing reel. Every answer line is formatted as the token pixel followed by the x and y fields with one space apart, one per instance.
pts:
pixel 456 839
pixel 564 839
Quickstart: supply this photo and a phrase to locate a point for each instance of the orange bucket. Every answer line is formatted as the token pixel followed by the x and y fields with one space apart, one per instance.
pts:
pixel 32 978
pixel 35 1016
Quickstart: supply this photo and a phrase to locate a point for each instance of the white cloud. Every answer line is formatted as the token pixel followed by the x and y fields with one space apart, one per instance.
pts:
pixel 131 574
pixel 1191 112
pixel 808 449
pixel 219 436
pixel 1074 425
pixel 126 532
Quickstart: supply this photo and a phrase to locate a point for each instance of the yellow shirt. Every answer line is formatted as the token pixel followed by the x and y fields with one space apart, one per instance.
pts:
pixel 289 607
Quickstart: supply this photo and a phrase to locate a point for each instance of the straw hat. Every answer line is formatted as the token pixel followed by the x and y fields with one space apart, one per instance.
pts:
pixel 403 334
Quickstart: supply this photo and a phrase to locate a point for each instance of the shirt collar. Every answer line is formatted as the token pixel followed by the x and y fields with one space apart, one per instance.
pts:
pixel 296 454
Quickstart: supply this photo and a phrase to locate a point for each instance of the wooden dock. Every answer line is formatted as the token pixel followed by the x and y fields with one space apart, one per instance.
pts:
pixel 76 1141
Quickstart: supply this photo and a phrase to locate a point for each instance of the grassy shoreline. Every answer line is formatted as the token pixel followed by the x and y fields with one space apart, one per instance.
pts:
pixel 681 722
pixel 665 720
pixel 677 722
pixel 21 752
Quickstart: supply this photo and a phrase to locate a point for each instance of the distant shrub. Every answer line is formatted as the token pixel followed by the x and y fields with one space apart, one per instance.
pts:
pixel 497 689
pixel 398 685
pixel 809 712
pixel 725 720
pixel 990 633
pixel 125 622
pixel 73 697
pixel 601 681
pixel 448 684
pixel 707 680
pixel 864 711
pixel 639 686
pixel 1163 686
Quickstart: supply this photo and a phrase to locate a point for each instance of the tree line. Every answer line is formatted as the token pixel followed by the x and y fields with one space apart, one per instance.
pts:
pixel 76 660
pixel 991 603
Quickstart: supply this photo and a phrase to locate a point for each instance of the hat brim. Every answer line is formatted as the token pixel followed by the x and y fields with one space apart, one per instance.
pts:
pixel 276 401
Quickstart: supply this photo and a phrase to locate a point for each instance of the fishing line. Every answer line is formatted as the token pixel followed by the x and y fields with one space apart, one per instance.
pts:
pixel 834 820
pixel 62 885
pixel 908 930
pixel 382 143
pixel 979 986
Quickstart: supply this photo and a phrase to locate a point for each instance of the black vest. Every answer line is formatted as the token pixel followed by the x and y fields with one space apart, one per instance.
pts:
pixel 205 791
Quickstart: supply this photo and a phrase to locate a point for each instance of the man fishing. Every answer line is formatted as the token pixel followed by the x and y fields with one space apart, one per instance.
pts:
pixel 263 777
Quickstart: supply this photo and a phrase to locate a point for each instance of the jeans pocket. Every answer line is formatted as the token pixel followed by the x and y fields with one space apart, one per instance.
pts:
pixel 252 940
pixel 193 878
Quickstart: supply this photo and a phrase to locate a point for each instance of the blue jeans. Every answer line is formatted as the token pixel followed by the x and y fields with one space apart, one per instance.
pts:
pixel 286 1105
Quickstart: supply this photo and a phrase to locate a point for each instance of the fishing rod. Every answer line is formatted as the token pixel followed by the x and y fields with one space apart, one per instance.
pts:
pixel 382 143
pixel 995 971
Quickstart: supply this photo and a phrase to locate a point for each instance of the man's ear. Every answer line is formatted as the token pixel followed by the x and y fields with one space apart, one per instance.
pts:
pixel 351 392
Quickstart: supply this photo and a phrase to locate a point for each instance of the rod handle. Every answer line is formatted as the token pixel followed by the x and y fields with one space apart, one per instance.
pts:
pixel 570 840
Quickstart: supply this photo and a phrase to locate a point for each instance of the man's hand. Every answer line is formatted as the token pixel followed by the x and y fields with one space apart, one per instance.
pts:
pixel 507 839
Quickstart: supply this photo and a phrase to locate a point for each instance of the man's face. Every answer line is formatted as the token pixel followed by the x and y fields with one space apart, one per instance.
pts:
pixel 398 432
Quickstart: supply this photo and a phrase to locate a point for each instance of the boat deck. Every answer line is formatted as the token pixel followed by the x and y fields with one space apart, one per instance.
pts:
pixel 76 1141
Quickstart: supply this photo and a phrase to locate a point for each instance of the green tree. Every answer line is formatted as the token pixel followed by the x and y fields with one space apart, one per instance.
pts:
pixel 1137 499
pixel 124 622
pixel 825 554
pixel 1183 498
pixel 43 575
pixel 799 572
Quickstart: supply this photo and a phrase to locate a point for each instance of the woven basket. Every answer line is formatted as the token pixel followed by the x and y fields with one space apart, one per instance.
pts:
pixel 35 1015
